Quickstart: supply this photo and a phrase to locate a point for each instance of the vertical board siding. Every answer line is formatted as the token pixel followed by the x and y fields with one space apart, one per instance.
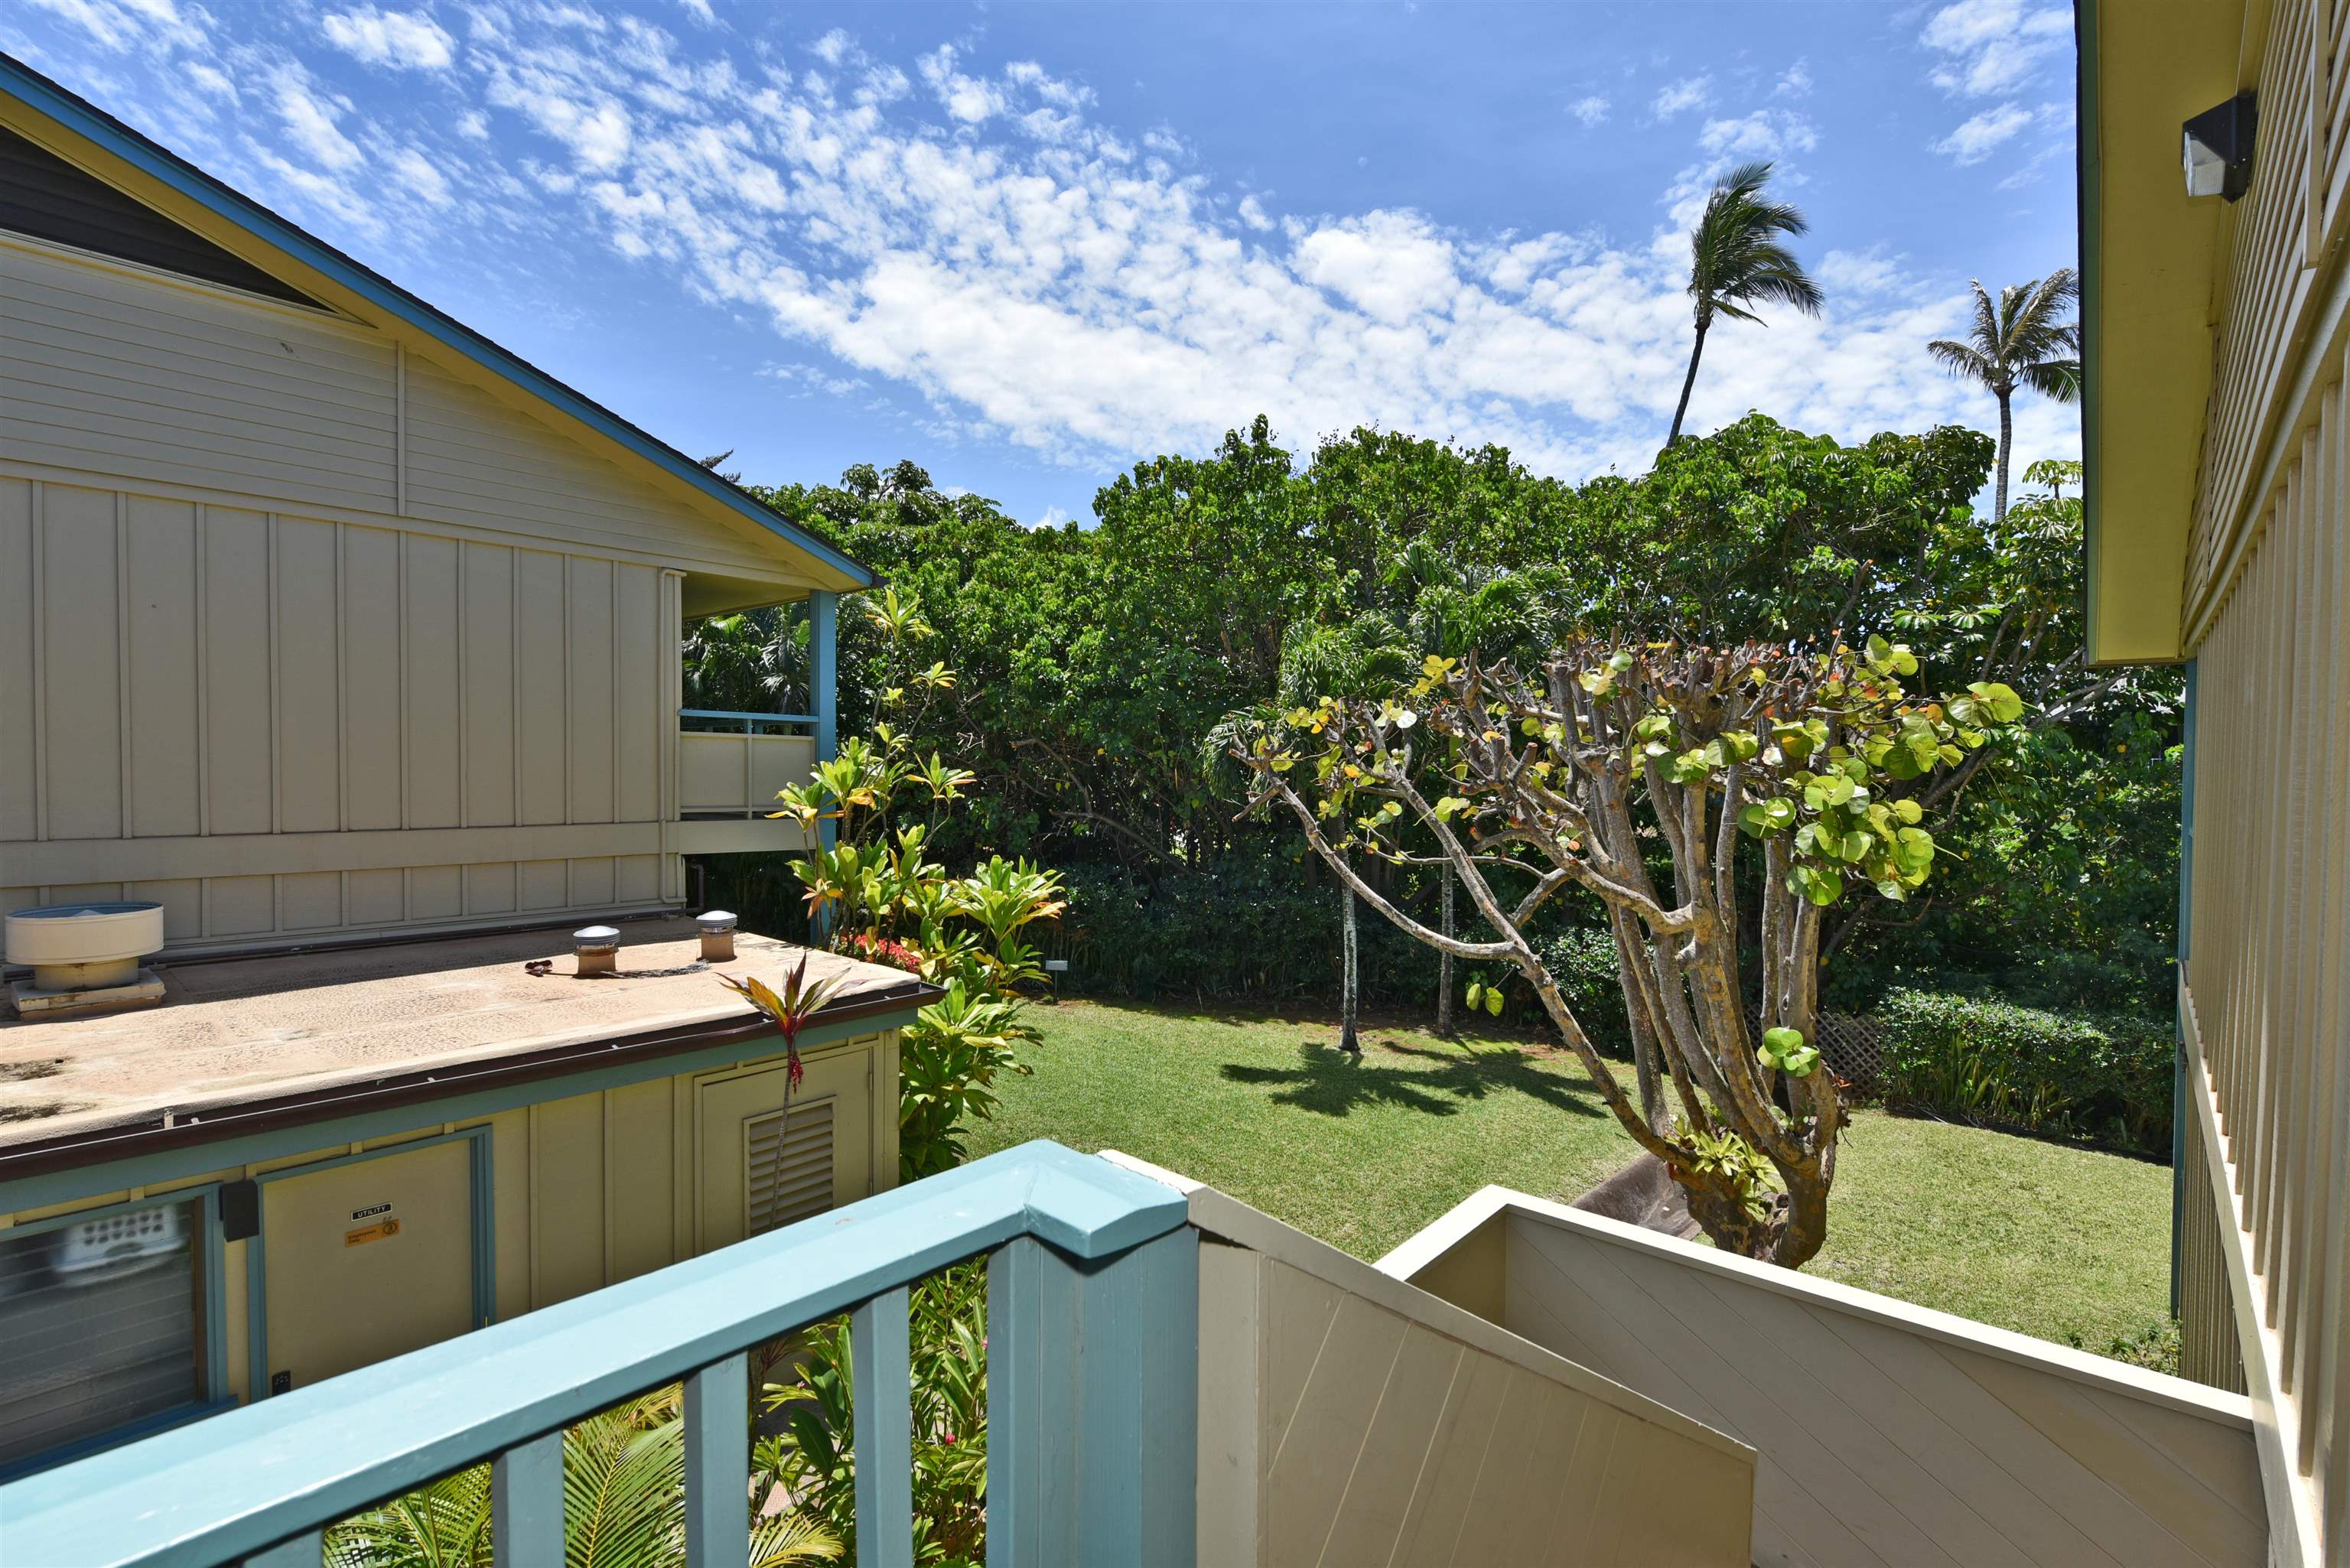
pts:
pixel 195 671
pixel 81 697
pixel 166 739
pixel 2264 981
pixel 1376 1437
pixel 1883 1445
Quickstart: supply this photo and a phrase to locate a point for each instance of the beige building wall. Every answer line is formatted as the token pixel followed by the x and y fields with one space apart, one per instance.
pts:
pixel 2265 1237
pixel 1346 1417
pixel 583 1191
pixel 307 636
pixel 1887 1434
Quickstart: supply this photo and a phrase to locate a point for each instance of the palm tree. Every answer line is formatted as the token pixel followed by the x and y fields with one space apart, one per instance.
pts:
pixel 2024 340
pixel 1736 260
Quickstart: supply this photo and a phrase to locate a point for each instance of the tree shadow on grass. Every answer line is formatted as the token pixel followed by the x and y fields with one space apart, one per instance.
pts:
pixel 1332 1083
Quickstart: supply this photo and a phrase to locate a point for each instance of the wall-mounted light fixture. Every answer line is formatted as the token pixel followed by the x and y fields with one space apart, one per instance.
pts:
pixel 2218 148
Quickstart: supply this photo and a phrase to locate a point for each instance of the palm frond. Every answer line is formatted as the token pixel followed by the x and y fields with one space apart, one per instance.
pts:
pixel 1963 359
pixel 2058 380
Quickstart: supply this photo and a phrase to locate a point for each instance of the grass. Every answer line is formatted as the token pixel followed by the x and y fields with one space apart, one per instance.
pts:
pixel 2063 1243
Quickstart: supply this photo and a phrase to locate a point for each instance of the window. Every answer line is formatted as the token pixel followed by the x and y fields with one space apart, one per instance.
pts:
pixel 102 1323
pixel 786 1172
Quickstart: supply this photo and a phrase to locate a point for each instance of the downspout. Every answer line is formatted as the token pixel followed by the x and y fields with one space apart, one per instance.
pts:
pixel 2180 1109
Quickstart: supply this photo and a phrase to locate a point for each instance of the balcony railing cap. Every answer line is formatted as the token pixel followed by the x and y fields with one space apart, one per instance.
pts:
pixel 223 1489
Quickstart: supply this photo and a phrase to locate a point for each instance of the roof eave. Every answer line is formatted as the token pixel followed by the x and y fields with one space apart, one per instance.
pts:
pixel 93 125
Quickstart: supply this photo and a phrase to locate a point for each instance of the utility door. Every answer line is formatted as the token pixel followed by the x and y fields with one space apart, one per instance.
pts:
pixel 761 1169
pixel 365 1258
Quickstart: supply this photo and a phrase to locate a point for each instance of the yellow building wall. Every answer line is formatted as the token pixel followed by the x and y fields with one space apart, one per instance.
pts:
pixel 592 1189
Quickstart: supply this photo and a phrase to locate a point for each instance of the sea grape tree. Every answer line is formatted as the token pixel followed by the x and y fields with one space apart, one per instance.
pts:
pixel 1702 797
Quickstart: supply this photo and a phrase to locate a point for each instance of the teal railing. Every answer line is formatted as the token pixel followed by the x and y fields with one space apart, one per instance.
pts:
pixel 1093 1346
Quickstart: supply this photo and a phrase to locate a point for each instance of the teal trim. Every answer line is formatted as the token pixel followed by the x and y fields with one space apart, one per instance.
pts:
pixel 2179 1107
pixel 212 1280
pixel 747 719
pixel 717 1461
pixel 526 1503
pixel 1093 1458
pixel 256 1277
pixel 881 1375
pixel 198 1160
pixel 1112 1248
pixel 84 118
pixel 304 1551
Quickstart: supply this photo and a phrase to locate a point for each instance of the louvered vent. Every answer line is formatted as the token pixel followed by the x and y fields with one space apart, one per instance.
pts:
pixel 786 1173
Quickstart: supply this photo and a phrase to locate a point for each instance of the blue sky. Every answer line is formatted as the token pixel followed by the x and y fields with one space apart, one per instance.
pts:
pixel 1029 244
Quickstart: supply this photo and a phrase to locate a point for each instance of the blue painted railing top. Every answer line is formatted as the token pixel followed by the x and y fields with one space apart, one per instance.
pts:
pixel 733 716
pixel 235 1485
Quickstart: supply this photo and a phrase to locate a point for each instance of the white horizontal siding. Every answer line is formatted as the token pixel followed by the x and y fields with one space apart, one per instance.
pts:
pixel 108 372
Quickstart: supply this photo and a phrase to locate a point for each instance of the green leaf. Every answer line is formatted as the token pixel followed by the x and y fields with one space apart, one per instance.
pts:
pixel 1449 805
pixel 1494 1001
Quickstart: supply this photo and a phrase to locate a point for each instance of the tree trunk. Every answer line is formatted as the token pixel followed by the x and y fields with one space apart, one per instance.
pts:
pixel 1348 994
pixel 1690 381
pixel 2006 439
pixel 1444 970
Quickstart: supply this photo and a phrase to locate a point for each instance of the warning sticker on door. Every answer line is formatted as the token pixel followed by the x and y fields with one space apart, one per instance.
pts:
pixel 375 1233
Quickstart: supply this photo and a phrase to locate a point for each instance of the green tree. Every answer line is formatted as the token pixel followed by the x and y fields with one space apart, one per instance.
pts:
pixel 1614 751
pixel 2026 340
pixel 1736 260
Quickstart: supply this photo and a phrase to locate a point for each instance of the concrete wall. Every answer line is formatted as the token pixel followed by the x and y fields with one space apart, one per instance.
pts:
pixel 586 1191
pixel 1347 1418
pixel 1888 1434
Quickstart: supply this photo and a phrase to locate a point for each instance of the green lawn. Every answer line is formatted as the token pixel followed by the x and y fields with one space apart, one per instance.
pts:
pixel 2053 1242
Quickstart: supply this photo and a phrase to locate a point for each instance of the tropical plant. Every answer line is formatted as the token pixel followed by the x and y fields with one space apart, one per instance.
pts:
pixel 623 1507
pixel 814 1459
pixel 2026 340
pixel 1574 775
pixel 948 1062
pixel 1736 260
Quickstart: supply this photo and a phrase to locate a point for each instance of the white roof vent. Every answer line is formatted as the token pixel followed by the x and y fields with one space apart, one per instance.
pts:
pixel 85 957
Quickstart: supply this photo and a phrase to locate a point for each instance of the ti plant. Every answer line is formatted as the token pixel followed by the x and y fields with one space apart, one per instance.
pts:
pixel 798 1001
pixel 1639 773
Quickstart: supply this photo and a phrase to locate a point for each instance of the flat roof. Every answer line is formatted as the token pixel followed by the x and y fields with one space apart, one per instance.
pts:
pixel 322 1032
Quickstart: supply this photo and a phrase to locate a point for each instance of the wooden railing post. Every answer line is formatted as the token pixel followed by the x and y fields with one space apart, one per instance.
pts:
pixel 1093 1404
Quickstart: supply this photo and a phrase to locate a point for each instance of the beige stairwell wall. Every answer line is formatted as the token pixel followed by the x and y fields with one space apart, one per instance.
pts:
pixel 1888 1434
pixel 1348 1419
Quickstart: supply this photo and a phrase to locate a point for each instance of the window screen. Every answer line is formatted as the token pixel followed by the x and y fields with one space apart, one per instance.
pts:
pixel 98 1325
pixel 786 1172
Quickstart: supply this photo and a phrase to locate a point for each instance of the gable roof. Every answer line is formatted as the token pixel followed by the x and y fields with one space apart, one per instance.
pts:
pixel 66 110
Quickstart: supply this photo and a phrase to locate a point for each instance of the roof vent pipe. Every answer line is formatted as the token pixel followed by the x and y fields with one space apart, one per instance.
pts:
pixel 717 936
pixel 597 948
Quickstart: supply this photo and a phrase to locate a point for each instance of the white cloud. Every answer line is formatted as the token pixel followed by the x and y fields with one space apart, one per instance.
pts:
pixel 407 39
pixel 419 174
pixel 1985 134
pixel 1765 133
pixel 121 24
pixel 969 99
pixel 310 121
pixel 1994 45
pixel 1795 81
pixel 1590 110
pixel 1674 97
pixel 1858 272
pixel 986 261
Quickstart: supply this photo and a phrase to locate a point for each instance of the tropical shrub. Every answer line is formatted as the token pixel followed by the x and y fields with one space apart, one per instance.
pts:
pixel 874 892
pixel 623 1506
pixel 2105 1077
pixel 814 1460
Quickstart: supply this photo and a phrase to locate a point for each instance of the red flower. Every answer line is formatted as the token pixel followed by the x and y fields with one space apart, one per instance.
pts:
pixel 796 1071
